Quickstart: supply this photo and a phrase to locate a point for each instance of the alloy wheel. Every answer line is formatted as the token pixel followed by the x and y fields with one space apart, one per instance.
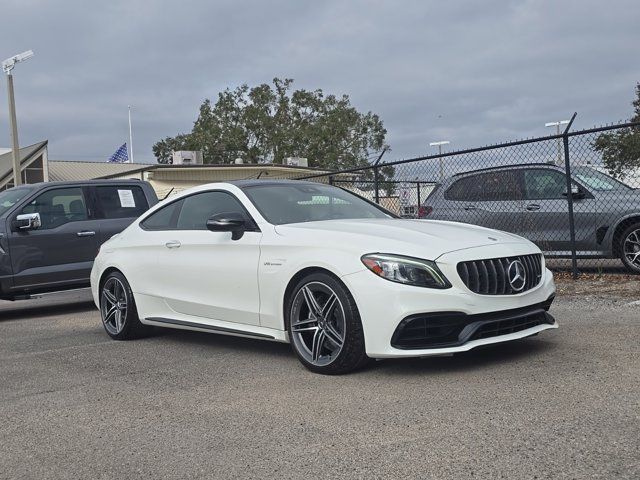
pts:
pixel 113 305
pixel 318 323
pixel 631 248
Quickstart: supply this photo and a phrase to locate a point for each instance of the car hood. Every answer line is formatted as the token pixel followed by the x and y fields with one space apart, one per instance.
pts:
pixel 410 237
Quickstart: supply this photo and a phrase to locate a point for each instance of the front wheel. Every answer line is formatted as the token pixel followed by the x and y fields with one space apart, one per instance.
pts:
pixel 630 248
pixel 118 309
pixel 324 326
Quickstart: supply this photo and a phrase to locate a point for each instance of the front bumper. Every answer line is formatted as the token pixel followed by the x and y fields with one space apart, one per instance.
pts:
pixel 384 305
pixel 454 329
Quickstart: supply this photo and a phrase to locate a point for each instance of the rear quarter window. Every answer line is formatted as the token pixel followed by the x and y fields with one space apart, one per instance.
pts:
pixel 121 201
pixel 465 190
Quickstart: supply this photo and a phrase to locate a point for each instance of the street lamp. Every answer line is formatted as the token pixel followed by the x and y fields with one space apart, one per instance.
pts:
pixel 439 145
pixel 8 66
pixel 557 125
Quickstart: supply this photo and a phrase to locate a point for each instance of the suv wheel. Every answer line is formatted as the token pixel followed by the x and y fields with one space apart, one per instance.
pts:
pixel 118 309
pixel 324 326
pixel 630 248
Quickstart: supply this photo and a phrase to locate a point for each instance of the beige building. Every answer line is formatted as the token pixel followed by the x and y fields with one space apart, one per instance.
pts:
pixel 171 179
pixel 165 179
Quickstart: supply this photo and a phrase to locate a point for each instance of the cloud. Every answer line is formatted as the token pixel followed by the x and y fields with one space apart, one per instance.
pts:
pixel 470 72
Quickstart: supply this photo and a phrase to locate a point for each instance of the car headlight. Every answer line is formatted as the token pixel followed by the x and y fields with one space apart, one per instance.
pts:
pixel 407 270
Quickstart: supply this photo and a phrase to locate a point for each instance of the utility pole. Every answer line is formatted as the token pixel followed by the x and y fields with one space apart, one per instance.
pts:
pixel 8 65
pixel 557 125
pixel 439 145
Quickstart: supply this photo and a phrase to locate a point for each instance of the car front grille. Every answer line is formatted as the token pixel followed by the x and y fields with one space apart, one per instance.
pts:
pixel 502 276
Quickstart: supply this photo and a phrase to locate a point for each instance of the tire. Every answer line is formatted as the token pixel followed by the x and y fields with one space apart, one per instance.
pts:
pixel 118 309
pixel 324 326
pixel 630 248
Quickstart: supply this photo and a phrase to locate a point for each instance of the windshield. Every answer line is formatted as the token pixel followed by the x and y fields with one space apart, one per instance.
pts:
pixel 10 197
pixel 598 181
pixel 280 204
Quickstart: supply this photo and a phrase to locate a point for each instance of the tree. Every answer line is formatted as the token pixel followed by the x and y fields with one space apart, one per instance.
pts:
pixel 269 123
pixel 621 149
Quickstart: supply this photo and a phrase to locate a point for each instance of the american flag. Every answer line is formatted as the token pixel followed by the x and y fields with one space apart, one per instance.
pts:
pixel 120 155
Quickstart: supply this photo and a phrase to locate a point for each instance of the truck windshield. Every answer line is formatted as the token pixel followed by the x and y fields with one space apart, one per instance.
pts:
pixel 10 197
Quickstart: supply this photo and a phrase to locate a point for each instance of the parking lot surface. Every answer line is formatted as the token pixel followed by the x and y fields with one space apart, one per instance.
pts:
pixel 75 404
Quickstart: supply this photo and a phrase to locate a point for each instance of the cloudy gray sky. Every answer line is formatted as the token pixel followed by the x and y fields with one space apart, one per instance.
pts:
pixel 472 72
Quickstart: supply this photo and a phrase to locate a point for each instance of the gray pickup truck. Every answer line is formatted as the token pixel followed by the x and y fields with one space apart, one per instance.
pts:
pixel 50 232
pixel 531 200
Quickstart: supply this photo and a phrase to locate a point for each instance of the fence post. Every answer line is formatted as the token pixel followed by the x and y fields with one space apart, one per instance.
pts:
pixel 572 225
pixel 376 183
pixel 419 200
pixel 330 179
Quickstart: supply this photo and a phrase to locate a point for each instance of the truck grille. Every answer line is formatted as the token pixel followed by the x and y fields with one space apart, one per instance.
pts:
pixel 502 276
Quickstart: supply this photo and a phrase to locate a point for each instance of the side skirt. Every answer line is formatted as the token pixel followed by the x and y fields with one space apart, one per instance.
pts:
pixel 160 321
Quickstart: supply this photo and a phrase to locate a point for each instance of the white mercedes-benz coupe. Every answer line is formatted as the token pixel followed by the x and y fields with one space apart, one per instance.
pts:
pixel 337 276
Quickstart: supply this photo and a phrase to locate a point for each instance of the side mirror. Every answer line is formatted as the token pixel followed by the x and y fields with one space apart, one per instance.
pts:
pixel 576 192
pixel 228 222
pixel 27 221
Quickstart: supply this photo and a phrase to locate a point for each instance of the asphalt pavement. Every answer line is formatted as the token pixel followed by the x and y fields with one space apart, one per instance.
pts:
pixel 75 404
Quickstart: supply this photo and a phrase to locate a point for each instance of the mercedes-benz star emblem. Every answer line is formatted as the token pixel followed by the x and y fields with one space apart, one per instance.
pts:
pixel 517 275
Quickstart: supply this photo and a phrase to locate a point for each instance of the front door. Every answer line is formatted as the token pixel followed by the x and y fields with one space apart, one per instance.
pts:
pixel 211 275
pixel 61 251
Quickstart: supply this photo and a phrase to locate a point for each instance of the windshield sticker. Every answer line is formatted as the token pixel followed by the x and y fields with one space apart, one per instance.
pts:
pixel 126 199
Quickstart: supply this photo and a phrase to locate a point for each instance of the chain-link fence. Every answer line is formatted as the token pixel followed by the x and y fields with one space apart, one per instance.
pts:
pixel 554 190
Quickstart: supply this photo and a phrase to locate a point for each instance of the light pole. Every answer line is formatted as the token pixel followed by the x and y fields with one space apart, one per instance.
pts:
pixel 130 138
pixel 439 145
pixel 8 66
pixel 557 125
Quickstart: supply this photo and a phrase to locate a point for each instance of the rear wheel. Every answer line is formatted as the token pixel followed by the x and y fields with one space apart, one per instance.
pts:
pixel 118 309
pixel 324 326
pixel 630 248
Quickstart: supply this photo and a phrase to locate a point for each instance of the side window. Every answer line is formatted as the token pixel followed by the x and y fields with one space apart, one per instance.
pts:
pixel 544 184
pixel 500 186
pixel 465 190
pixel 59 206
pixel 164 218
pixel 198 208
pixel 121 201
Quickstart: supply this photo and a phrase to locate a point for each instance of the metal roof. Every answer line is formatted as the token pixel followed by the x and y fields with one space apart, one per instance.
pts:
pixel 64 170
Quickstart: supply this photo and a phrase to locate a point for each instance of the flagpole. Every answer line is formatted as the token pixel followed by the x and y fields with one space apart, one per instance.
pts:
pixel 130 137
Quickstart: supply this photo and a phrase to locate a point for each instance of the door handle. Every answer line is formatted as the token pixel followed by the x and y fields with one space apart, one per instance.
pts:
pixel 532 207
pixel 86 233
pixel 470 207
pixel 173 244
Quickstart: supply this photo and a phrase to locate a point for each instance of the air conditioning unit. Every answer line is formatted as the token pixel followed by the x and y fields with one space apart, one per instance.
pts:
pixel 296 162
pixel 187 157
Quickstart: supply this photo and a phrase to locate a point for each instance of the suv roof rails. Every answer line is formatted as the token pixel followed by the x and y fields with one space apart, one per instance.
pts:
pixel 500 167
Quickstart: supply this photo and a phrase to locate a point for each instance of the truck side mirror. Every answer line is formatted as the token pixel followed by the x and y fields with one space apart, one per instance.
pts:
pixel 27 221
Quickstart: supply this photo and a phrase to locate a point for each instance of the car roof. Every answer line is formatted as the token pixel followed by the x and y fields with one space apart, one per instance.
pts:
pixel 512 166
pixel 80 182
pixel 269 182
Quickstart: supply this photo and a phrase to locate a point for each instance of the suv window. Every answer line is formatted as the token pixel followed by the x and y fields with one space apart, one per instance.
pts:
pixel 198 208
pixel 496 186
pixel 163 219
pixel 543 184
pixel 466 189
pixel 59 206
pixel 121 201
